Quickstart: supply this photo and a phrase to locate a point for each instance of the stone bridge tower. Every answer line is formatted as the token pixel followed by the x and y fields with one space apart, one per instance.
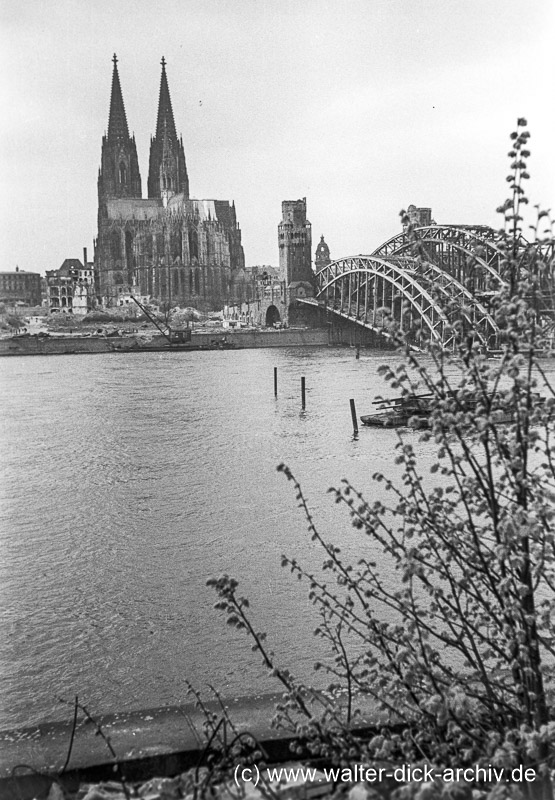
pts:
pixel 295 243
pixel 295 257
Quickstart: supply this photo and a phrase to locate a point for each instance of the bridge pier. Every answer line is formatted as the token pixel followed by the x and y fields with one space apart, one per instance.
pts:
pixel 343 332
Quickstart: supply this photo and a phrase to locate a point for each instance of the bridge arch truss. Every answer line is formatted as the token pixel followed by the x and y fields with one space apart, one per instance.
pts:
pixel 418 295
pixel 469 253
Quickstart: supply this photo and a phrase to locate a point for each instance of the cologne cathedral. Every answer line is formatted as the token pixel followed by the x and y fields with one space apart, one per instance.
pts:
pixel 167 248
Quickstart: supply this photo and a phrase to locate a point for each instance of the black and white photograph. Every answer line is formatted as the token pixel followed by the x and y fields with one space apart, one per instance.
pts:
pixel 277 400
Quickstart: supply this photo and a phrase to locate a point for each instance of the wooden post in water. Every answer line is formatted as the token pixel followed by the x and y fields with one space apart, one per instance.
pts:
pixel 303 393
pixel 354 416
pixel 275 381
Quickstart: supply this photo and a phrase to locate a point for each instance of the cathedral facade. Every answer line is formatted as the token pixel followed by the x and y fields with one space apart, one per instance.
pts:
pixel 167 248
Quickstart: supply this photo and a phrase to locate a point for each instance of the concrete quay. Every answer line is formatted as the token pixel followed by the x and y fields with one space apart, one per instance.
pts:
pixel 28 345
pixel 152 742
pixel 134 735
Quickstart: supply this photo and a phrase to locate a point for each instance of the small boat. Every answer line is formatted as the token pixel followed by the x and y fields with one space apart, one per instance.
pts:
pixel 390 419
pixel 398 411
pixel 413 410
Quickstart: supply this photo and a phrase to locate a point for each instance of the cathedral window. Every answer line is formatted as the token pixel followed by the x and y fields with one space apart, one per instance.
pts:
pixel 130 260
pixel 115 245
pixel 176 244
pixel 122 173
pixel 193 244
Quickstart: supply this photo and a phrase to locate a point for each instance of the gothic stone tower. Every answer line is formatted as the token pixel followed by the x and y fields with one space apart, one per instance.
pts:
pixel 119 171
pixel 167 174
pixel 295 243
pixel 167 248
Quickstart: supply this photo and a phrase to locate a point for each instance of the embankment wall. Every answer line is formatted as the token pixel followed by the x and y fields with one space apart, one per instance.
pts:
pixel 65 345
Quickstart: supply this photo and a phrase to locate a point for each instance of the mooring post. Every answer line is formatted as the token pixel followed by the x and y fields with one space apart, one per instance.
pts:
pixel 357 351
pixel 303 393
pixel 275 381
pixel 354 416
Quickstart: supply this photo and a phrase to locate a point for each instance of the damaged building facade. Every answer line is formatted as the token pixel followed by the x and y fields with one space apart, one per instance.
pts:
pixel 168 248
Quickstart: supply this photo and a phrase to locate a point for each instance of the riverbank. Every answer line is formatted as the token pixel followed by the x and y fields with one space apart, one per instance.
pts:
pixel 157 742
pixel 27 345
pixel 159 733
pixel 135 736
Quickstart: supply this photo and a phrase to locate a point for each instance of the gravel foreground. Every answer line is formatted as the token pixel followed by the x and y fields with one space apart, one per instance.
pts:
pixel 182 787
pixel 196 785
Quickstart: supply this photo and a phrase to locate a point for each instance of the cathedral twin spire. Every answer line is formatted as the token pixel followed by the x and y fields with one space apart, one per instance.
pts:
pixel 165 121
pixel 117 121
pixel 119 174
pixel 167 173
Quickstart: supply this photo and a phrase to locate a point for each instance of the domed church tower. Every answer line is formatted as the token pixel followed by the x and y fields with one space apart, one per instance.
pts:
pixel 322 255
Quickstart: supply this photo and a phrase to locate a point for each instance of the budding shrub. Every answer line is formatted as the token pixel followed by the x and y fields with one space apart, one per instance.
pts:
pixel 457 654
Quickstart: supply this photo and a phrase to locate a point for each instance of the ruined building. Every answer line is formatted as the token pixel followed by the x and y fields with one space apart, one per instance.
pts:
pixel 70 289
pixel 419 216
pixel 168 248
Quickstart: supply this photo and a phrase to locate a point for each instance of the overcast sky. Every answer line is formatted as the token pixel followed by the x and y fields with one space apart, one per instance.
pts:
pixel 361 106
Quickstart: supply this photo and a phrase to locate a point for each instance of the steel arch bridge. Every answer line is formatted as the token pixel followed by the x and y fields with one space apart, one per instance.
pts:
pixel 427 285
pixel 467 252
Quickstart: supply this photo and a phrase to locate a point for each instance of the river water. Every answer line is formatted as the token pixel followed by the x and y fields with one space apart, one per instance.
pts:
pixel 128 480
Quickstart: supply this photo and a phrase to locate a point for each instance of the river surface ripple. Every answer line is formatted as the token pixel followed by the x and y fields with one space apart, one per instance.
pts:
pixel 128 480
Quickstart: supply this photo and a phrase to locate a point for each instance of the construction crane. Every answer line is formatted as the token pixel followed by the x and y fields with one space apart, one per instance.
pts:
pixel 173 337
